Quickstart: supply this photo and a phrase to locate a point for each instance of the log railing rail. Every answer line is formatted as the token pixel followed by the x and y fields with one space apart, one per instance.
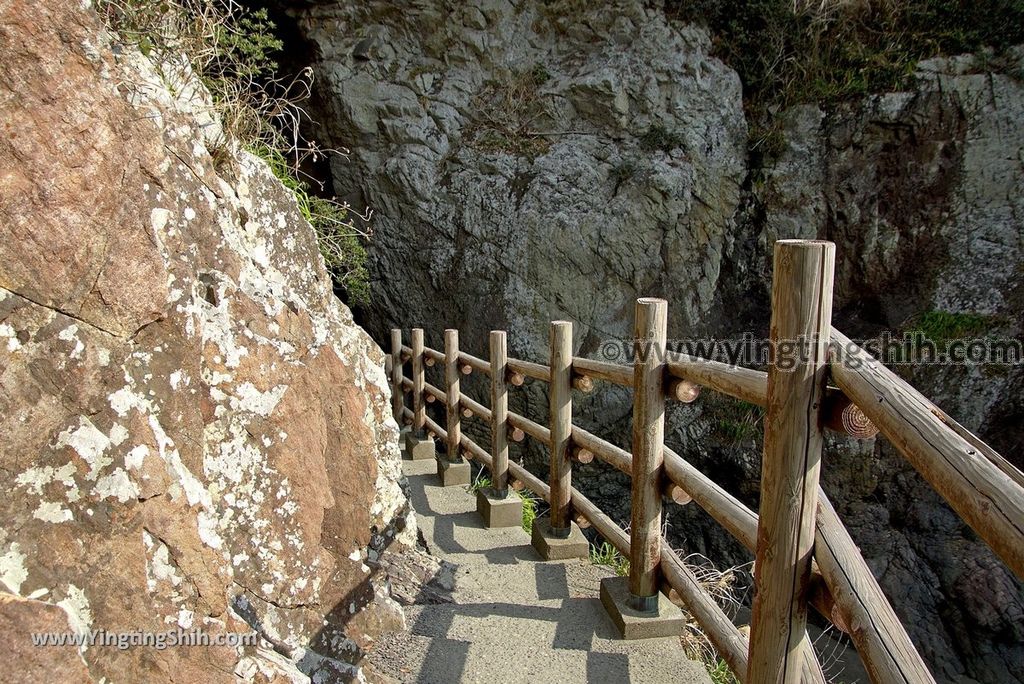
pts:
pixel 805 556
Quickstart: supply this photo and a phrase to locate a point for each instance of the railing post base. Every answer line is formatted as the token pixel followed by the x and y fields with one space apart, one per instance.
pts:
pixel 419 447
pixel 451 473
pixel 499 510
pixel 562 544
pixel 665 620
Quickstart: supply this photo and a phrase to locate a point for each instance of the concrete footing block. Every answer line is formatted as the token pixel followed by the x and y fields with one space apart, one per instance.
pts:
pixel 551 547
pixel 419 447
pixel 453 474
pixel 666 621
pixel 497 511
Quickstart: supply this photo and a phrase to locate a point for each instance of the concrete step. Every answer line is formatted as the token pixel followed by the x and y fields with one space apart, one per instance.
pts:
pixel 514 617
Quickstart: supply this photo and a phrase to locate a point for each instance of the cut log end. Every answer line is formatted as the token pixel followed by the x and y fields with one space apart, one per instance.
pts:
pixel 429 362
pixel 582 456
pixel 516 379
pixel 856 423
pixel 466 369
pixel 683 390
pixel 518 435
pixel 583 383
pixel 845 417
pixel 582 522
pixel 678 495
pixel 517 485
pixel 466 413
pixel 431 398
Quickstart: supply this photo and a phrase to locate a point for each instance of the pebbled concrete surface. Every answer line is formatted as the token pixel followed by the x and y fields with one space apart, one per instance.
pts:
pixel 512 617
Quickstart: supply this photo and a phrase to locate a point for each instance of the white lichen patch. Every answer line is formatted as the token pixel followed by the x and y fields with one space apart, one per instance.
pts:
pixel 12 569
pixel 159 568
pixel 134 459
pixel 7 332
pixel 249 399
pixel 117 485
pixel 89 443
pixel 70 334
pixel 76 605
pixel 52 512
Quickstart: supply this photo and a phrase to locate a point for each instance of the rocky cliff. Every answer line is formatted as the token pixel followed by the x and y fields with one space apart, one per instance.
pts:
pixel 531 161
pixel 194 434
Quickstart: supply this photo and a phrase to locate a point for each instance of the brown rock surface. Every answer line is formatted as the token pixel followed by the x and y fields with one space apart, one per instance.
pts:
pixel 193 432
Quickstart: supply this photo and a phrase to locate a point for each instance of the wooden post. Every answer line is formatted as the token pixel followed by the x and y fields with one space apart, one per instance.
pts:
pixel 648 452
pixel 397 393
pixel 560 402
pixel 800 325
pixel 451 377
pixel 419 411
pixel 499 413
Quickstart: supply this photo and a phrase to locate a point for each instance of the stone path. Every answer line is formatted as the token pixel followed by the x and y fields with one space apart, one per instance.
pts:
pixel 513 617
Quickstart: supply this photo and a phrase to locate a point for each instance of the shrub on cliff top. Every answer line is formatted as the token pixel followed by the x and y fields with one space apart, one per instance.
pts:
pixel 792 51
pixel 231 49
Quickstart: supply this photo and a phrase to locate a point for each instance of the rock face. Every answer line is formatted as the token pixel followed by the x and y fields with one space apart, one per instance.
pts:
pixel 532 161
pixel 195 433
pixel 512 155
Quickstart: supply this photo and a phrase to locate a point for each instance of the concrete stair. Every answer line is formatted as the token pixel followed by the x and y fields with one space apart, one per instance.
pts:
pixel 514 617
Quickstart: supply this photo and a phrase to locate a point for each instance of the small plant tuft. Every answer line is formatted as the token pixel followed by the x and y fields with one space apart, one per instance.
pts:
pixel 529 509
pixel 609 556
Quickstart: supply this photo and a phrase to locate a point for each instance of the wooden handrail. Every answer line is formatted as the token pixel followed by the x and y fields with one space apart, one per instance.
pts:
pixel 602 370
pixel 986 497
pixel 882 642
pixel 981 485
pixel 478 409
pixel 535 430
pixel 475 363
pixel 529 369
pixel 433 355
pixel 452 393
pixel 742 383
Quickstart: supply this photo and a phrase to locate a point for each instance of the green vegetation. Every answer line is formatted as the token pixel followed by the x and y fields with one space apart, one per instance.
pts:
pixel 529 509
pixel 942 326
pixel 337 237
pixel 230 49
pixel 527 497
pixel 609 556
pixel 720 673
pixel 792 51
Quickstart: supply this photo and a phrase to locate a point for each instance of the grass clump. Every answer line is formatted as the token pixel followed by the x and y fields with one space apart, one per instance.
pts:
pixel 609 556
pixel 942 326
pixel 230 49
pixel 721 585
pixel 530 502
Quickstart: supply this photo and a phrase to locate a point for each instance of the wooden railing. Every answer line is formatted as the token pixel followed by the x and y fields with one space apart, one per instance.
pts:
pixel 804 554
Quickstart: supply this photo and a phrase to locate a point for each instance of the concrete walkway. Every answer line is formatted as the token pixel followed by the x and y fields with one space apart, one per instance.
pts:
pixel 513 617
